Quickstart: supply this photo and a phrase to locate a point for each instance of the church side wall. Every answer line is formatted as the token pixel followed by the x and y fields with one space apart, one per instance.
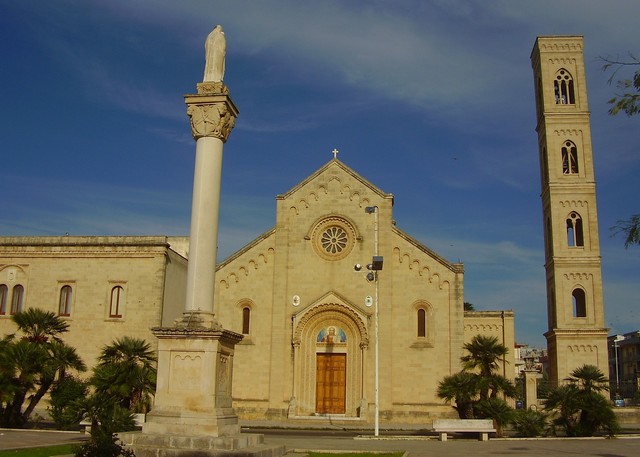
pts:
pixel 418 363
pixel 247 282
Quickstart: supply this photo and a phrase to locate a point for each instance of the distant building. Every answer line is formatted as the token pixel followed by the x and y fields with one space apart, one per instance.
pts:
pixel 624 364
pixel 529 358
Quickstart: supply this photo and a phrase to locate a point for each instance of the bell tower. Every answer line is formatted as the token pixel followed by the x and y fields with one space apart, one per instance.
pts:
pixel 576 332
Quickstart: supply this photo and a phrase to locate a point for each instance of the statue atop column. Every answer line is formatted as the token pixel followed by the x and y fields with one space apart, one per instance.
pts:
pixel 215 50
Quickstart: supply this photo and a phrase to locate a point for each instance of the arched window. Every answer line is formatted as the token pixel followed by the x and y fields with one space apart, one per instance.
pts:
pixel 569 158
pixel 422 323
pixel 64 307
pixel 575 236
pixel 4 291
pixel 246 320
pixel 563 88
pixel 17 298
pixel 117 295
pixel 579 303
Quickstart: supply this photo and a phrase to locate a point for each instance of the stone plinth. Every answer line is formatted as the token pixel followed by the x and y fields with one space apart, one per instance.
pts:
pixel 192 412
pixel 195 370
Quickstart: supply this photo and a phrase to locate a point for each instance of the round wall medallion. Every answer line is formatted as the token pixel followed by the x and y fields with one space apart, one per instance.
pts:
pixel 333 238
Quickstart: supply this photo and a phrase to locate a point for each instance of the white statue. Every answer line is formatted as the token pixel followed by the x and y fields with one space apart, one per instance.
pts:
pixel 215 49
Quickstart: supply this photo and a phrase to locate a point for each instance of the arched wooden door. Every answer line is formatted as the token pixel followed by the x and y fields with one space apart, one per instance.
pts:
pixel 331 383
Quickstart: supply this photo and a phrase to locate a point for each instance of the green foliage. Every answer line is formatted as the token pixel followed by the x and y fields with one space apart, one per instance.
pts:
pixel 107 418
pixel 105 447
pixel 461 387
pixel 30 365
pixel 496 409
pixel 475 389
pixel 580 408
pixel 126 373
pixel 529 423
pixel 627 99
pixel 630 228
pixel 64 393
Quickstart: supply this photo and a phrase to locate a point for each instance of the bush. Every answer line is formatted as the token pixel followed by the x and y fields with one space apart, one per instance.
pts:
pixel 106 446
pixel 64 392
pixel 529 423
pixel 496 409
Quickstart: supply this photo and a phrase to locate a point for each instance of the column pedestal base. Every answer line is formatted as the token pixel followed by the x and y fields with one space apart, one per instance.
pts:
pixel 192 412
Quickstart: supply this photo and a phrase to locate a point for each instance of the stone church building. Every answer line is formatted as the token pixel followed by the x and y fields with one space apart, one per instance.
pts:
pixel 336 275
pixel 306 311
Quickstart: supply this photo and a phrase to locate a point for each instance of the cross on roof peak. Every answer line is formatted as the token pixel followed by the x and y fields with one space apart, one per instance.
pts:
pixel 335 153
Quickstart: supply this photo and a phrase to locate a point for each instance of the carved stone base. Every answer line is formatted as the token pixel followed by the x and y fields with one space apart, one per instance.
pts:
pixel 195 375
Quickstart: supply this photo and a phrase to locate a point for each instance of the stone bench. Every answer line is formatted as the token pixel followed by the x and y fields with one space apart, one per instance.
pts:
pixel 480 426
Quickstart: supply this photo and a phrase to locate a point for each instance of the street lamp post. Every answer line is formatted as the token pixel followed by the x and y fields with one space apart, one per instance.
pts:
pixel 616 340
pixel 375 266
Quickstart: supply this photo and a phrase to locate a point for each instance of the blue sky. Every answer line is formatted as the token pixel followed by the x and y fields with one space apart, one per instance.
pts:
pixel 429 100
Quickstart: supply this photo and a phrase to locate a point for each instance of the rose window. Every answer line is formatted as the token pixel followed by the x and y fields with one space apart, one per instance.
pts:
pixel 334 240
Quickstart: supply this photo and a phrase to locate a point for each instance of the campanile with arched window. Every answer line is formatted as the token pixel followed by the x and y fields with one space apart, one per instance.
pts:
pixel 576 334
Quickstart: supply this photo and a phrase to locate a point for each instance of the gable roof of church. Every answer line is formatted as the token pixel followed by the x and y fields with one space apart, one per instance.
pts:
pixel 332 163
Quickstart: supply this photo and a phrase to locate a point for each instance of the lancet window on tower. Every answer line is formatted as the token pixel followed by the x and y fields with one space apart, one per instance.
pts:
pixel 579 303
pixel 569 158
pixel 575 235
pixel 563 88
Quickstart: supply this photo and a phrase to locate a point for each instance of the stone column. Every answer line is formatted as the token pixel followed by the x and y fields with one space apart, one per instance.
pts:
pixel 212 115
pixel 195 356
pixel 530 388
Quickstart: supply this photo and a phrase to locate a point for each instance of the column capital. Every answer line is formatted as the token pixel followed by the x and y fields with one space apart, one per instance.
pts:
pixel 211 111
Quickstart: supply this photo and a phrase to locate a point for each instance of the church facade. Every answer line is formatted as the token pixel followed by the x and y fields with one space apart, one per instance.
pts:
pixel 301 295
pixel 304 299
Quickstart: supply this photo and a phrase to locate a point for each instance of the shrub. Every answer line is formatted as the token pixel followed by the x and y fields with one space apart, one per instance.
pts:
pixel 529 423
pixel 64 392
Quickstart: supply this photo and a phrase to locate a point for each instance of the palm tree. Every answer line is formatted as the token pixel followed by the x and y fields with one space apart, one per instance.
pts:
pixel 31 364
pixel 580 408
pixel 485 353
pixel 39 326
pixel 126 372
pixel 589 379
pixel 463 388
pixel 60 359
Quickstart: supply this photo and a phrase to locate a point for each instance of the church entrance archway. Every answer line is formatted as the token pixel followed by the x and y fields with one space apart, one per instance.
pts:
pixel 329 344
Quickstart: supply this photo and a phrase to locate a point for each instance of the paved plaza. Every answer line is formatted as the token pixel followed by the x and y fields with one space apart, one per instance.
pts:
pixel 415 445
